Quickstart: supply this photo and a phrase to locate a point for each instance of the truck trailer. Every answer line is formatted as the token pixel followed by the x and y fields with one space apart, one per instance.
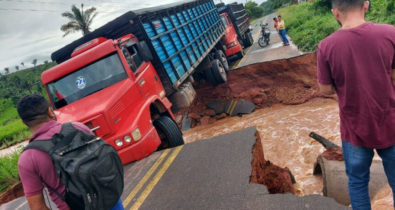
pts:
pixel 119 79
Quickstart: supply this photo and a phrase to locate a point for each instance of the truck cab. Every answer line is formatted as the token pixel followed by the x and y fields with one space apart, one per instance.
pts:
pixel 231 42
pixel 96 86
pixel 120 78
pixel 238 33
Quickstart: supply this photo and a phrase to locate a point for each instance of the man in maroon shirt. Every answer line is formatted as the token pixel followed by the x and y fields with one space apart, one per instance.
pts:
pixel 36 169
pixel 357 62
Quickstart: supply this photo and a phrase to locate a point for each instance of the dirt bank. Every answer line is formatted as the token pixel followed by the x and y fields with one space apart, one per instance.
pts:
pixel 13 193
pixel 276 179
pixel 287 81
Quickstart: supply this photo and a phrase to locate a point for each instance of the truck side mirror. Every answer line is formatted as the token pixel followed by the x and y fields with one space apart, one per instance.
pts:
pixel 144 51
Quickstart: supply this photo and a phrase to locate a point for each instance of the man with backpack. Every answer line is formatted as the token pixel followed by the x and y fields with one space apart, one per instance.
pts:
pixel 62 157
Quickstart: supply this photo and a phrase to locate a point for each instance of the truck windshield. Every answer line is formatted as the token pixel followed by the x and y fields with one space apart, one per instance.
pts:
pixel 86 81
pixel 224 21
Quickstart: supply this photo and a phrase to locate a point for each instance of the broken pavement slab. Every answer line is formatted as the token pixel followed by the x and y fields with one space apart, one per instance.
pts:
pixel 209 174
pixel 215 174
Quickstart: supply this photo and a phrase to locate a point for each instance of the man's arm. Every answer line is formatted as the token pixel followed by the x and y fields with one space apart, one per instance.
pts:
pixel 37 202
pixel 393 77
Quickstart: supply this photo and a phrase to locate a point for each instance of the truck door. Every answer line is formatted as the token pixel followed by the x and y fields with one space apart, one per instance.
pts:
pixel 146 78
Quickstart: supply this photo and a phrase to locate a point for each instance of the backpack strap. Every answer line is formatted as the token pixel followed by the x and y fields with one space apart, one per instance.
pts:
pixel 49 145
pixel 42 145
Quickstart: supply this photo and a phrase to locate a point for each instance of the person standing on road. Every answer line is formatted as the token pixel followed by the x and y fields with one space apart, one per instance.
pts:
pixel 275 23
pixel 357 62
pixel 282 31
pixel 36 169
pixel 276 27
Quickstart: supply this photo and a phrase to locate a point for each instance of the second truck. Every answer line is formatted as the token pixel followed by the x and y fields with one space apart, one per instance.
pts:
pixel 122 79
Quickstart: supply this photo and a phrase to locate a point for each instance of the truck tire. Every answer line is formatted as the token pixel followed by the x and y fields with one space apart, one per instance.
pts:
pixel 248 39
pixel 169 132
pixel 210 77
pixel 218 71
pixel 220 55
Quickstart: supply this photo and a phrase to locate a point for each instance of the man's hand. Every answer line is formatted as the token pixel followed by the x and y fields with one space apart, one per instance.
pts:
pixel 326 90
pixel 37 202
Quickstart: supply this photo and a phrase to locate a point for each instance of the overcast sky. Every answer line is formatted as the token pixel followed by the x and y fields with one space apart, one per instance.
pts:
pixel 30 29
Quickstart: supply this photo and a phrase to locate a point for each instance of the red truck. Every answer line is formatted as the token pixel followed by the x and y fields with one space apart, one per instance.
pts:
pixel 119 79
pixel 238 34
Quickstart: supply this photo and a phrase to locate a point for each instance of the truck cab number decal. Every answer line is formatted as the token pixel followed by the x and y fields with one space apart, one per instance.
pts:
pixel 80 82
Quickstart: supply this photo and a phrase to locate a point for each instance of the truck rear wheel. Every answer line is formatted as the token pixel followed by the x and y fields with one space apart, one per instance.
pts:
pixel 218 71
pixel 168 131
pixel 220 55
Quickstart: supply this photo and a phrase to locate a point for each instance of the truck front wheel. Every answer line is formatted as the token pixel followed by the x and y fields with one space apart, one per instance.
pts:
pixel 168 131
pixel 218 71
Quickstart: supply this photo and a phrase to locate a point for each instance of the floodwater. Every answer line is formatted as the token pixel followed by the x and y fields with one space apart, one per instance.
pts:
pixel 284 130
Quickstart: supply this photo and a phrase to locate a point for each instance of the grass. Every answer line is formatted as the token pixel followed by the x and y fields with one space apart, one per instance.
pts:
pixel 9 175
pixel 307 26
pixel 12 130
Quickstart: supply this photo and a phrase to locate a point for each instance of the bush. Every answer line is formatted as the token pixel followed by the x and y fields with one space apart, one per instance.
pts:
pixel 309 23
pixel 9 175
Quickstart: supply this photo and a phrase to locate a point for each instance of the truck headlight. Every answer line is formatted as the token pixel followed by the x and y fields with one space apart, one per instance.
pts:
pixel 136 134
pixel 119 142
pixel 127 139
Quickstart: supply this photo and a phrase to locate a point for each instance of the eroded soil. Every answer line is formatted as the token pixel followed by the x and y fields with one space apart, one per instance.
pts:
pixel 275 178
pixel 288 81
pixel 13 193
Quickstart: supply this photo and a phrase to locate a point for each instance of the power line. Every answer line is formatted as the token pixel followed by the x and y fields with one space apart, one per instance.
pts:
pixel 39 10
pixel 30 10
pixel 41 2
pixel 62 3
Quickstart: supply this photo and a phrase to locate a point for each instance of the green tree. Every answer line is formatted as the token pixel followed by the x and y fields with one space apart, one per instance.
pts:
pixel 7 70
pixel 79 20
pixel 17 67
pixel 253 9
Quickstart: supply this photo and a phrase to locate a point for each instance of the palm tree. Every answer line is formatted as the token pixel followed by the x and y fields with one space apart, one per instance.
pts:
pixel 80 20
pixel 7 70
pixel 17 67
pixel 34 62
pixel 23 64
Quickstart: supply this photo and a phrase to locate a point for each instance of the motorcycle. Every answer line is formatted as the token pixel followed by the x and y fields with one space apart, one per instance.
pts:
pixel 264 39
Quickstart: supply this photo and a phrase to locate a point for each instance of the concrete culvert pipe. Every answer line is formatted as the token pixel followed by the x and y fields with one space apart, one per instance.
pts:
pixel 335 179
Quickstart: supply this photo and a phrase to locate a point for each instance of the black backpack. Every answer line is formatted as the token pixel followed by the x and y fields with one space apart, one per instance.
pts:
pixel 90 168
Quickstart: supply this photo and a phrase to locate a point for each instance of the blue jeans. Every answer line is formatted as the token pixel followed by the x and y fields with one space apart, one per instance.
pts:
pixel 358 160
pixel 283 33
pixel 118 205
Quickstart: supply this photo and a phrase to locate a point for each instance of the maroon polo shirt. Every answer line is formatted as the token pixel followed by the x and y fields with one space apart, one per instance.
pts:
pixel 35 166
pixel 358 62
